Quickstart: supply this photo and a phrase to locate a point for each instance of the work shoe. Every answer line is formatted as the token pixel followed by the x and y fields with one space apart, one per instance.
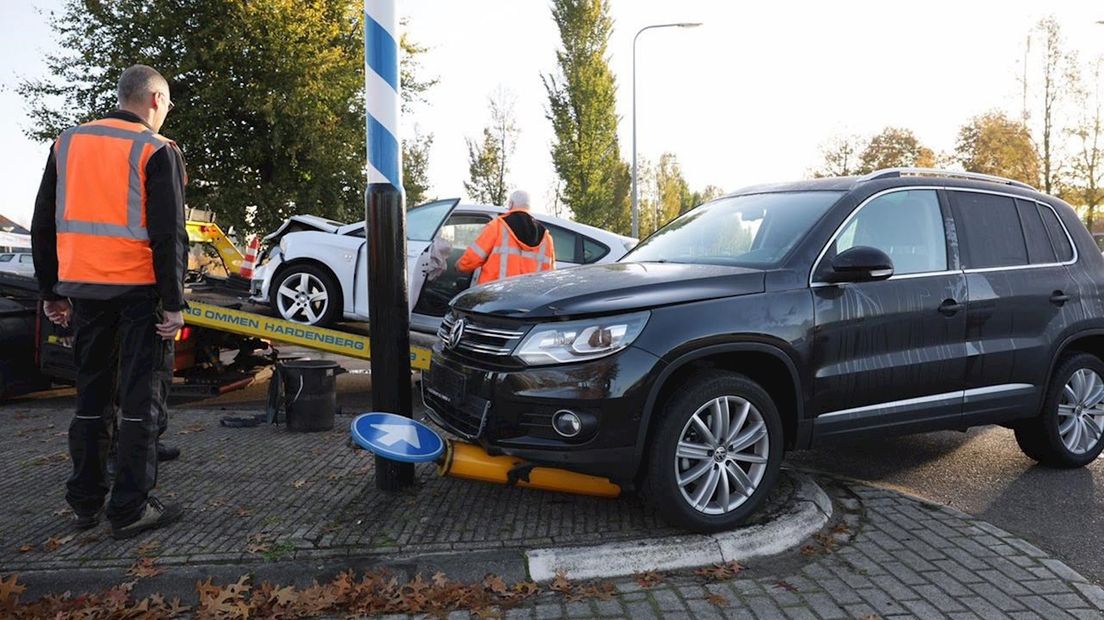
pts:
pixel 167 453
pixel 155 515
pixel 87 522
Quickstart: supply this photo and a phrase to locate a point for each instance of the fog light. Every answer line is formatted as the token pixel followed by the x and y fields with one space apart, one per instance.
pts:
pixel 567 423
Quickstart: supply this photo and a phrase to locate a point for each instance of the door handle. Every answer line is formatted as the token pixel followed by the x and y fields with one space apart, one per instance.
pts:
pixel 1059 298
pixel 950 307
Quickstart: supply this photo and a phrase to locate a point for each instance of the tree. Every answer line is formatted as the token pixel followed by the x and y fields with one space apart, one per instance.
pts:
pixel 1057 67
pixel 1087 165
pixel 488 162
pixel 994 144
pixel 581 107
pixel 269 96
pixel 415 156
pixel 709 192
pixel 672 190
pixel 895 148
pixel 840 156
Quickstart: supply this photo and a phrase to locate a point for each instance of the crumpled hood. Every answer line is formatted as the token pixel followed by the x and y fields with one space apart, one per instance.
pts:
pixel 604 289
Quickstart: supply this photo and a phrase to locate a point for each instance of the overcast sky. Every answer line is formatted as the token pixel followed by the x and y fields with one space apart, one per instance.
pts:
pixel 746 98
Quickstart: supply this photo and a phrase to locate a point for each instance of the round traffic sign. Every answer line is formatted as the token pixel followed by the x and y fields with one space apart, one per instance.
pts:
pixel 397 438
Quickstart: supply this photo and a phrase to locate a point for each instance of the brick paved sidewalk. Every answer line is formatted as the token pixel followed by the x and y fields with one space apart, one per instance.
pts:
pixel 262 494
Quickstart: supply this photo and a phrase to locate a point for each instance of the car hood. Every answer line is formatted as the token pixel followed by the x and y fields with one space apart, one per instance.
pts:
pixel 603 289
pixel 298 223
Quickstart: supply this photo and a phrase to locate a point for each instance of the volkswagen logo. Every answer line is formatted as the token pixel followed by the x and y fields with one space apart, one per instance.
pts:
pixel 456 332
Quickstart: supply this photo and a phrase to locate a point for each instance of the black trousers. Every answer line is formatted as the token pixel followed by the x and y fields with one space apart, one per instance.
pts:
pixel 119 356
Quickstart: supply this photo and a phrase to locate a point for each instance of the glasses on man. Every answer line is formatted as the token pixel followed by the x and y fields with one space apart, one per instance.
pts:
pixel 171 104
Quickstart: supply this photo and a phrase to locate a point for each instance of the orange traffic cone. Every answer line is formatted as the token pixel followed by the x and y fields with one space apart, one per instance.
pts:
pixel 250 259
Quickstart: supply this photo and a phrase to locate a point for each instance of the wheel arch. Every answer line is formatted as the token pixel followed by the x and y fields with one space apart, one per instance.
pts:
pixel 768 365
pixel 1088 341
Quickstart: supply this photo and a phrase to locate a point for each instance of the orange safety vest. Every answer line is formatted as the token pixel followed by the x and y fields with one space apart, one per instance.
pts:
pixel 501 255
pixel 101 202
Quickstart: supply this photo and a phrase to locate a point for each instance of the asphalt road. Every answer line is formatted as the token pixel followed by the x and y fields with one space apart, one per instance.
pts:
pixel 982 472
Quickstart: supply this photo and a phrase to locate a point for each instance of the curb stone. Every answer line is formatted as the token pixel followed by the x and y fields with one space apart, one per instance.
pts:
pixel 810 511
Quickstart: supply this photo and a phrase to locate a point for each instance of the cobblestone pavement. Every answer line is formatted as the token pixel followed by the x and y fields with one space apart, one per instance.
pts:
pixel 897 558
pixel 262 494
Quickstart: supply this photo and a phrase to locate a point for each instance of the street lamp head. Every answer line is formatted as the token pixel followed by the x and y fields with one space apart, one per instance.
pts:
pixel 696 24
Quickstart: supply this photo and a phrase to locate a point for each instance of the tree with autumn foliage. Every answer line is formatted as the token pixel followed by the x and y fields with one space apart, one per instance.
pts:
pixel 992 143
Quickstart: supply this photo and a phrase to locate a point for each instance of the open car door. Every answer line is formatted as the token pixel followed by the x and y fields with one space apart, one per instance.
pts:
pixel 422 224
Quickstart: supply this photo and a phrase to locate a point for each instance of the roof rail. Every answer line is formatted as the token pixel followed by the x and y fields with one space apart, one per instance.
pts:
pixel 891 173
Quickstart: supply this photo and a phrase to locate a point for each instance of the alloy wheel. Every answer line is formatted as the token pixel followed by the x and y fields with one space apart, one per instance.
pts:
pixel 722 455
pixel 1081 411
pixel 302 299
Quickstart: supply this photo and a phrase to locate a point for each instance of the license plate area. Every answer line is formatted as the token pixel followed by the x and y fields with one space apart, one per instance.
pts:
pixel 447 384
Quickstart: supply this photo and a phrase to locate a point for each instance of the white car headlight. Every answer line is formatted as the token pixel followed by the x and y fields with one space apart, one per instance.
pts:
pixel 576 341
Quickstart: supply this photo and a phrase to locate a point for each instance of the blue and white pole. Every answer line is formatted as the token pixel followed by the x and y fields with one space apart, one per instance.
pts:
pixel 381 91
pixel 385 220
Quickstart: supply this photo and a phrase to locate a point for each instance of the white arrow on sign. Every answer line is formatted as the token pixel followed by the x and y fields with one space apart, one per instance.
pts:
pixel 394 433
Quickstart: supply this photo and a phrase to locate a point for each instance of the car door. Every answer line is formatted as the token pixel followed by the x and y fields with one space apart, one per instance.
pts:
pixel 458 232
pixel 422 223
pixel 1020 298
pixel 890 354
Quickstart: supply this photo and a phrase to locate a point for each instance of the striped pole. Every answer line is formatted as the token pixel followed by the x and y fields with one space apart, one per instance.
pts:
pixel 381 91
pixel 385 222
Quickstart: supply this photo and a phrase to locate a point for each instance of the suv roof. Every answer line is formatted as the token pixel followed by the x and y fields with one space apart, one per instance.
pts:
pixel 851 182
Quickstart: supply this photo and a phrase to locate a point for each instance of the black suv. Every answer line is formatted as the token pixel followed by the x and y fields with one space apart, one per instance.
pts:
pixel 784 317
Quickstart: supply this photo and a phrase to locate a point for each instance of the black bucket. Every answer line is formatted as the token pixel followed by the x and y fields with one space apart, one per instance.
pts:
pixel 310 394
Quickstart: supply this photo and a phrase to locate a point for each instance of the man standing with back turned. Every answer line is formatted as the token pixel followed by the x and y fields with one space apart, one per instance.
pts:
pixel 513 244
pixel 108 234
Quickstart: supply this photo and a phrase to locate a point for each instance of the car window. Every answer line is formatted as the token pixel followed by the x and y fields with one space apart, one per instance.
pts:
pixel 990 226
pixel 1039 250
pixel 422 221
pixel 461 230
pixel 906 225
pixel 1058 237
pixel 747 230
pixel 593 251
pixel 566 244
pixel 6 258
pixel 26 258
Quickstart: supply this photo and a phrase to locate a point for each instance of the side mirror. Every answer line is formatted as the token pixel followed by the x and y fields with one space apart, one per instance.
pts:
pixel 860 264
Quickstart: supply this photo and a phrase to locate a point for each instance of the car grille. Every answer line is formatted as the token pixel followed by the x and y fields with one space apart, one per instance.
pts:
pixel 480 339
pixel 465 418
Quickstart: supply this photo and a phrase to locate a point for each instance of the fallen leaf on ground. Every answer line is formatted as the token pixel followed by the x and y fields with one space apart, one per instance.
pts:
pixel 602 590
pixel 51 459
pixel 299 484
pixel 494 584
pixel 560 583
pixel 10 589
pixel 717 599
pixel 26 548
pixel 54 543
pixel 244 512
pixel 785 585
pixel 720 572
pixel 194 428
pixel 64 512
pixel 144 568
pixel 808 550
pixel 648 579
pixel 148 548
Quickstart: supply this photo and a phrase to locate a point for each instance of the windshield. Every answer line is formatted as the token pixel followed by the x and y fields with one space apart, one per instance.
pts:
pixel 752 230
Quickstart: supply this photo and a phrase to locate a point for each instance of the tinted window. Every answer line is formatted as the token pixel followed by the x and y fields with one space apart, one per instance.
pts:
pixel 593 251
pixel 908 226
pixel 991 228
pixel 564 241
pixel 1058 237
pixel 1039 250
pixel 6 258
pixel 752 230
pixel 26 258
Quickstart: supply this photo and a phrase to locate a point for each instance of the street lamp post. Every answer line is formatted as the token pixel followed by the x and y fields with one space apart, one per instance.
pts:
pixel 635 201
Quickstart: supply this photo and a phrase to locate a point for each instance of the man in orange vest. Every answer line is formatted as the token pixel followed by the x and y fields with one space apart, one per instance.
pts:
pixel 110 249
pixel 515 243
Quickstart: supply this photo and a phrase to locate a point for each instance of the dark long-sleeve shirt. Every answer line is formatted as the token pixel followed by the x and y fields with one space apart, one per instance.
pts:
pixel 168 238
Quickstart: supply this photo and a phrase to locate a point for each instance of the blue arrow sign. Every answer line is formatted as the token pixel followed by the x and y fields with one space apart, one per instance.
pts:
pixel 397 438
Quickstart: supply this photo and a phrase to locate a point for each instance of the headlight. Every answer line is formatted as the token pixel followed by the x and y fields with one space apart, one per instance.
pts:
pixel 576 341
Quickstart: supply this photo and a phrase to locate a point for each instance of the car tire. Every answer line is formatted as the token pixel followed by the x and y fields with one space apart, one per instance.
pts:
pixel 1067 433
pixel 293 288
pixel 683 459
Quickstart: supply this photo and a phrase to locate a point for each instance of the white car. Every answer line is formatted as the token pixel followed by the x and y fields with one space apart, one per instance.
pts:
pixel 20 263
pixel 315 270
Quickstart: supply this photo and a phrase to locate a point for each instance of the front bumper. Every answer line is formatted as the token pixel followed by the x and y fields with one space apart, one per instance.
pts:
pixel 509 410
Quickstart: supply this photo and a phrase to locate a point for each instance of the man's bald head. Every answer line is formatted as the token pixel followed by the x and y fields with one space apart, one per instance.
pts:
pixel 145 92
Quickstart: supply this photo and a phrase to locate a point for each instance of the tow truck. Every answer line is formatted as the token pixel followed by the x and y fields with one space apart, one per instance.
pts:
pixel 227 342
